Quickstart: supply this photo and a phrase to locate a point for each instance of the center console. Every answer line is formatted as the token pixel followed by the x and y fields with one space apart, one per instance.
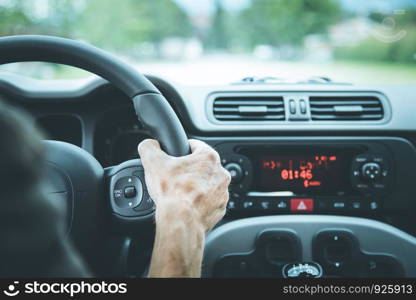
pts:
pixel 318 175
pixel 312 206
pixel 309 246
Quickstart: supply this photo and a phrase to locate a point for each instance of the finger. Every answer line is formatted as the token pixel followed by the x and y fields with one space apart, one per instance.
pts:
pixel 149 150
pixel 197 145
pixel 202 150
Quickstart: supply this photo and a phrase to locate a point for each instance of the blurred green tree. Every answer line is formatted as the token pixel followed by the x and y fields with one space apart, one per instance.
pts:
pixel 218 36
pixel 121 25
pixel 282 22
pixel 61 17
pixel 13 18
pixel 115 25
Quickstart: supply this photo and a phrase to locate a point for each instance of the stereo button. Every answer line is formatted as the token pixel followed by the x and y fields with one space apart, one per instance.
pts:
pixel 361 186
pixel 231 205
pixel 356 205
pixel 265 205
pixel 361 159
pixel 235 171
pixel 301 205
pixel 373 205
pixel 339 205
pixel 248 204
pixel 282 205
pixel 379 186
pixel 371 171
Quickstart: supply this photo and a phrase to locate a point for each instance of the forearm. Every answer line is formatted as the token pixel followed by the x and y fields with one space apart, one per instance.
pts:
pixel 178 246
pixel 191 194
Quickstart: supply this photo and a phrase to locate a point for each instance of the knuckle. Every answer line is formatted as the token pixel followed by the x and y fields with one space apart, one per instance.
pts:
pixel 222 213
pixel 213 156
pixel 146 143
pixel 226 176
pixel 223 203
pixel 188 185
pixel 197 145
pixel 146 147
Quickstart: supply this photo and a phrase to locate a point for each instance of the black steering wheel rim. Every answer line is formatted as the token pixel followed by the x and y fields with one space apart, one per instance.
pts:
pixel 152 109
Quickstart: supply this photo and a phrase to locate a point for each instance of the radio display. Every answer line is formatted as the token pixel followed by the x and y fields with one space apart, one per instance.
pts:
pixel 300 173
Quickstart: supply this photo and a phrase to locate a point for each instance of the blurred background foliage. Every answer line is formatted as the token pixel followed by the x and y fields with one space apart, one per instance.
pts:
pixel 373 49
pixel 295 30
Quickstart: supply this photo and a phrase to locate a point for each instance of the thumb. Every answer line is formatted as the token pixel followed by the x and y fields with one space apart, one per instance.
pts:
pixel 149 150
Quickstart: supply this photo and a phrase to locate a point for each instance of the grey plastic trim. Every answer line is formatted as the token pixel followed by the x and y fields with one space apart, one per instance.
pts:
pixel 287 95
pixel 401 99
pixel 400 96
pixel 373 236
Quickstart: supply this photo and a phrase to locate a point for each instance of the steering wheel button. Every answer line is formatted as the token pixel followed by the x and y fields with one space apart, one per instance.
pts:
pixel 146 204
pixel 130 192
pixel 118 193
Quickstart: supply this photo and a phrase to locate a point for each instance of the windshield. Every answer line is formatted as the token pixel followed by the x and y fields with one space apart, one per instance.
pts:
pixel 223 41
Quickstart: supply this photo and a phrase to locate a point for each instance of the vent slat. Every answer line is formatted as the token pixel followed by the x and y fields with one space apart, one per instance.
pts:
pixel 249 108
pixel 236 110
pixel 351 118
pixel 346 108
pixel 241 117
pixel 315 102
pixel 331 110
pixel 245 102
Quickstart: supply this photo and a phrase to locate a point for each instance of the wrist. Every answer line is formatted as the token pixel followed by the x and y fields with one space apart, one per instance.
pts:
pixel 179 243
pixel 173 211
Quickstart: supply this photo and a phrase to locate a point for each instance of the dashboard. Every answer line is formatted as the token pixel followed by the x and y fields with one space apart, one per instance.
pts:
pixel 340 148
pixel 291 149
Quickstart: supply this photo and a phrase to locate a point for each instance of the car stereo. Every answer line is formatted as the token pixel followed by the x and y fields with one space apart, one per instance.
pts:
pixel 316 172
pixel 302 178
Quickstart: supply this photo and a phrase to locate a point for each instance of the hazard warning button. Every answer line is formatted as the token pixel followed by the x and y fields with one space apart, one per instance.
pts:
pixel 301 205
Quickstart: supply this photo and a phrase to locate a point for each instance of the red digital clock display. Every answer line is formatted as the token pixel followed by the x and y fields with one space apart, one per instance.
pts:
pixel 300 172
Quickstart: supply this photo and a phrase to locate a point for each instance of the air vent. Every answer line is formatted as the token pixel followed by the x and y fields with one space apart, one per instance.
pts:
pixel 346 108
pixel 249 108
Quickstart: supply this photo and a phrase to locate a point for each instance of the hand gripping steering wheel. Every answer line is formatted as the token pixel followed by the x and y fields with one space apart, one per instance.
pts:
pixel 75 174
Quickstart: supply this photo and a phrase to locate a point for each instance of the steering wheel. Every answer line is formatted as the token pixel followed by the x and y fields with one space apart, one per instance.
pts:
pixel 76 175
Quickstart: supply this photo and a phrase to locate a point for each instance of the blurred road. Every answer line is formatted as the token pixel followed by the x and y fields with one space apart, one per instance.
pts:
pixel 228 69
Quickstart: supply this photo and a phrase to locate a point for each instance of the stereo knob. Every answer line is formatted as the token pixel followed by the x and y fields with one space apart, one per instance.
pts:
pixel 235 171
pixel 371 171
